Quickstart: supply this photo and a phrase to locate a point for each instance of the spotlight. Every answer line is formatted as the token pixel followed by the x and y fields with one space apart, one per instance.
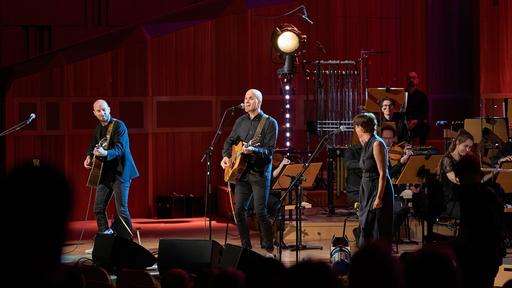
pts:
pixel 288 41
pixel 287 87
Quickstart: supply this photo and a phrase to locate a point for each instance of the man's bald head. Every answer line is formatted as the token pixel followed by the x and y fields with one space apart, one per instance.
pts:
pixel 100 103
pixel 256 93
pixel 101 111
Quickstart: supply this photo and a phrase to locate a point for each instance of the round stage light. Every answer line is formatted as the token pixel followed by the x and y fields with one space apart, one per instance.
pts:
pixel 288 42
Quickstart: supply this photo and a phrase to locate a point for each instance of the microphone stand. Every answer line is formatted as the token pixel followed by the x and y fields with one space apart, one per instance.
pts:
pixel 207 155
pixel 296 184
pixel 15 128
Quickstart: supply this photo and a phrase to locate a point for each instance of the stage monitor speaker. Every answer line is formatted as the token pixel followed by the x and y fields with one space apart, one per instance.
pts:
pixel 114 253
pixel 242 259
pixel 192 255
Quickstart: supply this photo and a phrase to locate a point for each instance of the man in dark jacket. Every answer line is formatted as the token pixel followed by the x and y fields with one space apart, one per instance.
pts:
pixel 117 174
pixel 257 176
pixel 417 110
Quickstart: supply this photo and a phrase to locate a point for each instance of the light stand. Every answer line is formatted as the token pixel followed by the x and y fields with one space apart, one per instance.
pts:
pixel 207 155
pixel 296 184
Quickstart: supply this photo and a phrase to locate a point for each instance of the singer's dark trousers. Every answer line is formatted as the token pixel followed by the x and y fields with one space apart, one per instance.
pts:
pixel 119 188
pixel 258 185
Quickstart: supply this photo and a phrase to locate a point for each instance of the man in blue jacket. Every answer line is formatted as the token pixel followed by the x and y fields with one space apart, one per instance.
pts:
pixel 117 174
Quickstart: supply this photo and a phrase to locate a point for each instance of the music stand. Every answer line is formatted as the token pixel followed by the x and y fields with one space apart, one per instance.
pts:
pixel 417 171
pixel 505 177
pixel 374 97
pixel 292 170
pixel 497 125
pixel 289 177
pixel 410 173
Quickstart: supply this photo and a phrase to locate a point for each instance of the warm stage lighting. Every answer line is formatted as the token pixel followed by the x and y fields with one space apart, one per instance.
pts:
pixel 288 42
pixel 287 39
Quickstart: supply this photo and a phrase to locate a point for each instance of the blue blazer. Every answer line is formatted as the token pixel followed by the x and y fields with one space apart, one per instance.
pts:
pixel 118 153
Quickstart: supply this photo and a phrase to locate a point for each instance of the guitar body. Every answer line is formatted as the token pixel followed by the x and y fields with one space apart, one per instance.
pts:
pixel 97 166
pixel 237 165
pixel 95 173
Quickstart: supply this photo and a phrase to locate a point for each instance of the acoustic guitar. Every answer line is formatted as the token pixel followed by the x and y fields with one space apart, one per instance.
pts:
pixel 97 166
pixel 237 162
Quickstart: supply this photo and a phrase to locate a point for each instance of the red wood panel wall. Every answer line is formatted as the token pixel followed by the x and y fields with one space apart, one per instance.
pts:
pixel 495 55
pixel 171 90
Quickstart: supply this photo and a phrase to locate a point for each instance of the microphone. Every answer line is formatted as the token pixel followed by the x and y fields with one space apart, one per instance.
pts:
pixel 344 128
pixel 30 118
pixel 305 15
pixel 239 106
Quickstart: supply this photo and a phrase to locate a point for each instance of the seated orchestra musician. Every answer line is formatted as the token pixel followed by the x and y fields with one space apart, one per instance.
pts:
pixel 390 117
pixel 460 146
pixel 398 156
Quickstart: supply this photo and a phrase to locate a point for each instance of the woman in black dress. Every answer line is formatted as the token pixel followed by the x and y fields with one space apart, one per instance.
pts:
pixel 460 146
pixel 376 195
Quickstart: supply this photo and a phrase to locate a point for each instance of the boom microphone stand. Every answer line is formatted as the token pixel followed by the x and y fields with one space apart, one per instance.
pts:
pixel 296 184
pixel 207 155
pixel 19 125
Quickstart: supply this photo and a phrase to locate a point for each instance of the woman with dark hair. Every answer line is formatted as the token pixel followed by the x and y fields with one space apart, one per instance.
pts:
pixel 460 146
pixel 376 195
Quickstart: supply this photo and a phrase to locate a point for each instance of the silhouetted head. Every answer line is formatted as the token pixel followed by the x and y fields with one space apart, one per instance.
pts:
pixel 431 267
pixel 35 229
pixel 374 266
pixel 311 274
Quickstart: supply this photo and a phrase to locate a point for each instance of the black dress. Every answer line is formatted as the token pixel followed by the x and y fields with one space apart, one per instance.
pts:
pixel 375 224
pixel 450 189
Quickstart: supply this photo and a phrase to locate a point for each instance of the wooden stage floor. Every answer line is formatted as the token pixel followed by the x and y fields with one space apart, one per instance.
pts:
pixel 317 230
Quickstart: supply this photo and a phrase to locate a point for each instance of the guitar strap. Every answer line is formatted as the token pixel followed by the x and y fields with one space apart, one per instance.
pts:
pixel 109 131
pixel 257 135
